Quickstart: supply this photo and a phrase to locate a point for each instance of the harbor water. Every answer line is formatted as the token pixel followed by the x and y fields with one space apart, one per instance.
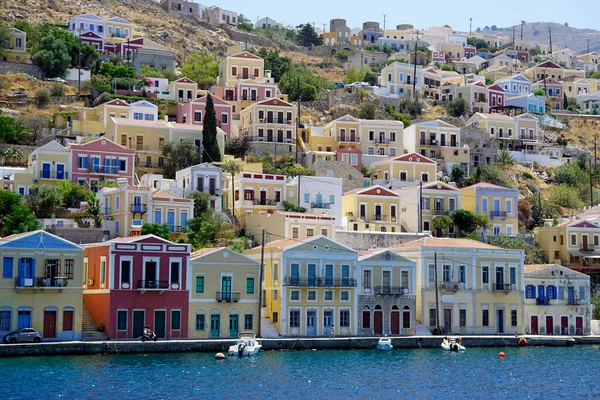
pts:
pixel 534 373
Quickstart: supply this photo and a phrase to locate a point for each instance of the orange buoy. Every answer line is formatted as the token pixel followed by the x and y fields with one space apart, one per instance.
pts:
pixel 219 356
pixel 522 342
pixel 501 355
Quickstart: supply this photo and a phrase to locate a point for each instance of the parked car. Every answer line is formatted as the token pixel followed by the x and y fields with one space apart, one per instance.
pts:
pixel 19 94
pixel 339 85
pixel 56 80
pixel 23 335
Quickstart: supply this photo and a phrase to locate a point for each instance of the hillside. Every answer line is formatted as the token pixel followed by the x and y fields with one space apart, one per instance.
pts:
pixel 149 19
pixel 562 36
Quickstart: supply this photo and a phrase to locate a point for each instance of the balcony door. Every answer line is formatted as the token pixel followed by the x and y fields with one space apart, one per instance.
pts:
pixel 311 322
pixel 139 320
pixel 46 170
pixel 171 220
pixel 319 200
pixel 150 273
pixel 60 171
pixel 386 281
pixel 345 275
pixel 160 323
pixel 295 274
pixel 226 288
pixel 497 207
pixel 263 197
pixel 363 211
pixel 312 274
pixel 499 278
pixel 328 274
pixel 378 212
pixel 585 242
pixel 26 270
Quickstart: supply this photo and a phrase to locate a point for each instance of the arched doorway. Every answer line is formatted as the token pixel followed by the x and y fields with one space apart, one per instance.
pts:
pixel 395 321
pixel 333 52
pixel 366 318
pixel 378 321
pixel 406 317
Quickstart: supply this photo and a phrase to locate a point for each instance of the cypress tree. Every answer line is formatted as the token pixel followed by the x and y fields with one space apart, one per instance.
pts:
pixel 211 151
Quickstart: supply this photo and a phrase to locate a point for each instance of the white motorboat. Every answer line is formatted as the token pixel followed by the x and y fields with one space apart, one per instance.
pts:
pixel 385 343
pixel 247 345
pixel 453 344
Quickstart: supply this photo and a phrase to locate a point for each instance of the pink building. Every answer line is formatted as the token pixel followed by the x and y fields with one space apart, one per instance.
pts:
pixel 350 155
pixel 193 113
pixel 94 40
pixel 469 51
pixel 495 98
pixel 439 57
pixel 139 280
pixel 100 159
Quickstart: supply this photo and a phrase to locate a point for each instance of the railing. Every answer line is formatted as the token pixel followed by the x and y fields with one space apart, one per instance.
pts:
pixel 379 217
pixel 214 191
pixel 502 287
pixel 54 174
pixel 452 286
pixel 139 208
pixel 498 214
pixel 587 248
pixel 542 301
pixel 270 139
pixel 264 202
pixel 320 205
pixel 152 284
pixel 348 139
pixel 382 141
pixel 246 76
pixel 574 302
pixel 176 228
pixel 318 281
pixel 228 296
pixel 102 169
pixel 274 121
pixel 43 282
pixel 428 142
pixel 440 211
pixel 395 290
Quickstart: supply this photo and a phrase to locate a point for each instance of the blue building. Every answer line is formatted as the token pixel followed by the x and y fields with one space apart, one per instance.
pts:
pixel 515 85
pixel 528 102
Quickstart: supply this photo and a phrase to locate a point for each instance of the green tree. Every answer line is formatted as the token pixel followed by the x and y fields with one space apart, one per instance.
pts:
pixel 201 67
pixel 43 96
pixel 237 146
pixel 457 108
pixel 244 24
pixel 179 156
pixel 565 196
pixel 89 54
pixel 15 217
pixel 52 57
pixel 275 63
pixel 539 92
pixel 116 71
pixel 505 159
pixel 200 232
pixel 467 222
pixel 447 67
pixel 160 230
pixel 201 201
pixel 5 36
pixel 490 174
pixel 148 72
pixel 307 36
pixel 73 193
pixel 457 174
pixel 533 254
pixel 209 133
pixel 354 74
pixel 367 111
pixel 289 83
pixel 571 174
pixel 595 75
pixel 43 200
pixel 596 304
pixel 240 244
pixel 371 78
pixel 442 222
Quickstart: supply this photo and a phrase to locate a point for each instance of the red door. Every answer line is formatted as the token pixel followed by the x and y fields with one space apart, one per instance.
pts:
pixel 549 325
pixel 564 325
pixel 395 323
pixel 579 325
pixel 534 325
pixel 378 322
pixel 49 324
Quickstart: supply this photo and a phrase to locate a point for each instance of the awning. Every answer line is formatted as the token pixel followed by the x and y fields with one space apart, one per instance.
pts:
pixel 596 257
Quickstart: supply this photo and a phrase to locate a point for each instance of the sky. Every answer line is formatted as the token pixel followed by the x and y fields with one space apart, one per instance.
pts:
pixel 436 12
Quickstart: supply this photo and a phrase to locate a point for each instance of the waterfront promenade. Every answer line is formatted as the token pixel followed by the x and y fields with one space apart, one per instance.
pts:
pixel 321 343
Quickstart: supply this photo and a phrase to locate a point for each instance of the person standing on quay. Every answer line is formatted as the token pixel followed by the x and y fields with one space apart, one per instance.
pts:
pixel 331 332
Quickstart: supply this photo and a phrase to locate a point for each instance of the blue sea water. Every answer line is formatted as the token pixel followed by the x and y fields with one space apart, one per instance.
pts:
pixel 533 373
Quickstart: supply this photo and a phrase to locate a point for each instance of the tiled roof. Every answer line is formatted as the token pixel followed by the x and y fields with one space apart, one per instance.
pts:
pixel 447 242
pixel 202 252
pixel 536 267
pixel 487 185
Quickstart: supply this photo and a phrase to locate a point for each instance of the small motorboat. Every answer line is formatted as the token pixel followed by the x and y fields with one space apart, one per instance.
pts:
pixel 247 345
pixel 385 343
pixel 453 344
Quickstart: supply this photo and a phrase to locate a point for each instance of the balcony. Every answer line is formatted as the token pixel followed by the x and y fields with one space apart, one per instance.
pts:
pixel 152 285
pixel 574 302
pixel 588 248
pixel 246 76
pixel 305 281
pixel 379 217
pixel 271 139
pixel 440 211
pixel 281 121
pixel 498 214
pixel 502 287
pixel 382 141
pixel 391 290
pixel 265 202
pixel 41 282
pixel 214 191
pixel 431 142
pixel 452 286
pixel 103 169
pixel 542 301
pixel 228 296
pixel 139 208
pixel 320 205
pixel 54 174
pixel 348 139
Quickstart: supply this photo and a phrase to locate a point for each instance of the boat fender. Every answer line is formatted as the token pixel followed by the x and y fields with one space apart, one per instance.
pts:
pixel 522 342
pixel 501 355
pixel 219 356
pixel 460 340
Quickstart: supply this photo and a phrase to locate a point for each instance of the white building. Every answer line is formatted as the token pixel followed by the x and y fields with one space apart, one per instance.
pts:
pixel 143 111
pixel 557 301
pixel 87 23
pixel 205 178
pixel 160 86
pixel 266 23
pixel 321 195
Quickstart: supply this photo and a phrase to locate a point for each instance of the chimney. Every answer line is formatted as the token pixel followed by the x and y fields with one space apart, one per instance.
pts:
pixel 548 222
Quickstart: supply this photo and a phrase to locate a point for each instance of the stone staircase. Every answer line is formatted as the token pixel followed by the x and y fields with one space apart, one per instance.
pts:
pixel 421 330
pixel 89 328
pixel 267 329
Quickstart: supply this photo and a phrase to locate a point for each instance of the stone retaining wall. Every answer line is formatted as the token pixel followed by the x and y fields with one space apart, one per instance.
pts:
pixel 15 68
pixel 363 241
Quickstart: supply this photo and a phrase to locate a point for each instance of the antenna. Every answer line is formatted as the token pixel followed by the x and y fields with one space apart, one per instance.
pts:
pixel 550 34
pixel 522 26
pixel 470 27
pixel 384 21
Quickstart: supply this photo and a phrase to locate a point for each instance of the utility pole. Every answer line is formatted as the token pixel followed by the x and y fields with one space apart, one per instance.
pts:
pixel 384 21
pixel 550 34
pixel 591 187
pixel 437 301
pixel 522 25
pixel 324 27
pixel 232 194
pixel 540 207
pixel 588 46
pixel 298 190
pixel 415 69
pixel 595 150
pixel 298 120
pixel 545 83
pixel 513 41
pixel 420 207
pixel 79 65
pixel 470 27
pixel 260 285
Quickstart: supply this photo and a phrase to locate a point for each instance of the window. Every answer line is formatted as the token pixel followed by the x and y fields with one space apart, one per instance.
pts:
pixel 294 318
pixel 69 267
pixel 431 273
pixel 367 279
pixel 198 116
pixel 307 197
pixel 485 317
pixel 484 205
pixel 513 276
pixel 329 295
pixel 310 232
pixel 294 232
pixel 7 268
pixel 82 162
pixel 312 295
pixel 366 318
pixel 345 295
pixel 485 272
pixel 175 272
pixel 249 285
pixel 295 295
pixel 530 292
pixel 199 284
pixel 224 118
pixel 121 320
pixel 274 294
pixel 462 317
pixel 345 318
pixel 509 207
pixel 103 271
pixel 5 317
pixel 581 292
pixel 332 201
pixel 248 322
pixel 275 271
pixel 462 273
pixel 513 317
pixel 551 292
pixel 446 273
pixel 573 239
pixel 200 322
pixel 175 320
pixel 432 317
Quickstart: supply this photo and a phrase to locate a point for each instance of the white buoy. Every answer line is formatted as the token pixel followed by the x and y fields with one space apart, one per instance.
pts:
pixel 219 356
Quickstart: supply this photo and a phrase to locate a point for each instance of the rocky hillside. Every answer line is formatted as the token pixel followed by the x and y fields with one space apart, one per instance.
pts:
pixel 149 18
pixel 562 35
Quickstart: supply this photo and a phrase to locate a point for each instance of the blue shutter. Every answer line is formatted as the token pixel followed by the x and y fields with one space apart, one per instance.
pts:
pixel 7 270
pixel 541 291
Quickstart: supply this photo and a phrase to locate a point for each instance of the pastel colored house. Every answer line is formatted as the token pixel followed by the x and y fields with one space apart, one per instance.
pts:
pixel 310 286
pixel 293 225
pixel 386 294
pixel 350 155
pixel 118 29
pixel 398 79
pixel 270 123
pixel 550 69
pixel 240 66
pixel 49 163
pixel 194 112
pixel 16 51
pixel 515 85
pixel 498 204
pixel 204 178
pixel 480 287
pixel 557 301
pixel 320 195
pixel 496 97
pixel 476 95
pixel 373 208
pixel 528 103
pixel 253 193
pixel 223 299
pixel 41 285
pixel 137 281
pixel 88 23
pixel 99 160
pixel 405 170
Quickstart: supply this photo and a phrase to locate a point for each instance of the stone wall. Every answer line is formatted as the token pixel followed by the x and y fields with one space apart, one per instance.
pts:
pixel 240 36
pixel 363 241
pixel 15 68
pixel 276 149
pixel 351 178
pixel 79 235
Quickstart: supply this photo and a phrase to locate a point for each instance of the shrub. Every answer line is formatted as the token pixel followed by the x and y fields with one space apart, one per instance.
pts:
pixel 57 89
pixel 565 196
pixel 527 175
pixel 457 108
pixel 43 96
pixel 3 83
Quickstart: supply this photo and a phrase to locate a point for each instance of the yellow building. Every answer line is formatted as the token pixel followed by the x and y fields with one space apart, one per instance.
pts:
pixel 240 66
pixel 224 294
pixel 49 164
pixel 16 51
pixel 356 40
pixel 404 170
pixel 41 285
pixel 479 286
pixel 118 29
pixel 282 224
pixel 497 203
pixel 549 69
pixel 184 89
pixel 330 38
pixel 309 286
pixel 270 123
pixel 399 78
pixel 132 206
pixel 373 208
pixel 437 199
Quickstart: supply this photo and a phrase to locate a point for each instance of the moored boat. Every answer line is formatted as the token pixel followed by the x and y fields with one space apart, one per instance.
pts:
pixel 385 343
pixel 247 345
pixel 453 344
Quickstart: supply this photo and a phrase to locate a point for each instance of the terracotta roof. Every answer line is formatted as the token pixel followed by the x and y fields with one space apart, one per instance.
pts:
pixel 202 252
pixel 130 239
pixel 486 185
pixel 447 242
pixel 285 243
pixel 496 116
pixel 536 267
